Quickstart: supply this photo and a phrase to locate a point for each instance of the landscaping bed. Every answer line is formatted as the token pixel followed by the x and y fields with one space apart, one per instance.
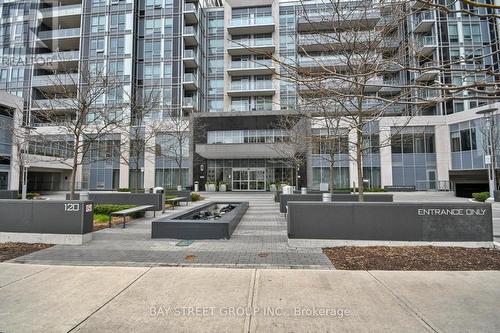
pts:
pixel 13 250
pixel 102 212
pixel 412 258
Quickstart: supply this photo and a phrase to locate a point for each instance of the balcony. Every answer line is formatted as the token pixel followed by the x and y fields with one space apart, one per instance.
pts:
pixel 251 25
pixel 334 61
pixel 190 81
pixel 59 56
pixel 55 104
pixel 59 33
pixel 428 73
pixel 427 96
pixel 55 80
pixel 190 14
pixel 252 67
pixel 190 59
pixel 326 20
pixel 254 88
pixel 324 87
pixel 424 22
pixel 425 46
pixel 240 151
pixel 251 46
pixel 390 86
pixel 190 104
pixel 418 4
pixel 60 11
pixel 190 35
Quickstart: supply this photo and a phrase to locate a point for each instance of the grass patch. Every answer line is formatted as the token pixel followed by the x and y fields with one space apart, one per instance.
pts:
pixel 101 218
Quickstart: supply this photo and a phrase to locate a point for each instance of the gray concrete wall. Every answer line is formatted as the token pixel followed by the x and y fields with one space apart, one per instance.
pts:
pixel 9 194
pixel 434 222
pixel 497 196
pixel 46 216
pixel 345 197
pixel 183 193
pixel 138 199
pixel 173 227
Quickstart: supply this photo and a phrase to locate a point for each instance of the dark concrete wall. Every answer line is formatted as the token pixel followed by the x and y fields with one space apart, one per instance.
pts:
pixel 497 196
pixel 186 194
pixel 9 194
pixel 173 227
pixel 389 221
pixel 46 216
pixel 346 197
pixel 138 199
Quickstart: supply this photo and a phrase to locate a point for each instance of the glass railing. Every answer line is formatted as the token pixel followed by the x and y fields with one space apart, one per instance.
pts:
pixel 252 42
pixel 189 101
pixel 55 56
pixel 251 64
pixel 426 41
pixel 257 85
pixel 427 94
pixel 190 7
pixel 189 77
pixel 72 32
pixel 245 21
pixel 189 54
pixel 424 16
pixel 190 30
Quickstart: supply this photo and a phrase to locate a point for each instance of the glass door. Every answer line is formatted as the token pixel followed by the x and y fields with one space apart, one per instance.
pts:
pixel 251 179
pixel 431 178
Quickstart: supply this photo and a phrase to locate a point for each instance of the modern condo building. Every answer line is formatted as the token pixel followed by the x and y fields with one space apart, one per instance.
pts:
pixel 221 65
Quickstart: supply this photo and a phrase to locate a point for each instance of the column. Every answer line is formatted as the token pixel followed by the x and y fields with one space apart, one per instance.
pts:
pixel 385 156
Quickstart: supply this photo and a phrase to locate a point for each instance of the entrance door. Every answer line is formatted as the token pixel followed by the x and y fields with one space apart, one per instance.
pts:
pixel 249 179
pixel 431 177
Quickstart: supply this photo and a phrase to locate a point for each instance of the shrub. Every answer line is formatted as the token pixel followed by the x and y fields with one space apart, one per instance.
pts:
pixel 124 189
pixel 170 196
pixel 32 195
pixel 481 196
pixel 101 218
pixel 108 209
pixel 196 197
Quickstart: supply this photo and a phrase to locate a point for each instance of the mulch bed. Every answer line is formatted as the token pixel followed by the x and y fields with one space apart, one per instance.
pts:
pixel 413 258
pixel 13 250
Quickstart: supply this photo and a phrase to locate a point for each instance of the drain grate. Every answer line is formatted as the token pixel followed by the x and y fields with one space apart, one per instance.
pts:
pixel 185 242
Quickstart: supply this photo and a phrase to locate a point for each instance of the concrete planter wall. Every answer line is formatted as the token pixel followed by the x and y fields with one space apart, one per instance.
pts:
pixel 222 188
pixel 497 196
pixel 118 198
pixel 174 226
pixel 409 222
pixel 46 221
pixel 211 188
pixel 346 197
pixel 8 194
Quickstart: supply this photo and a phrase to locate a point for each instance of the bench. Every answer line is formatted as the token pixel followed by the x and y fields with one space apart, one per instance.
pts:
pixel 173 201
pixel 129 211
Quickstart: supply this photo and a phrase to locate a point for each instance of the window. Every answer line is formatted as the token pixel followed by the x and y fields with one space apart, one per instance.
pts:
pixel 240 104
pixel 96 68
pixel 116 68
pixel 472 33
pixel 453 32
pixel 118 22
pixel 169 24
pixel 152 26
pixel 455 55
pixel 167 49
pixel 117 46
pixel 216 26
pixel 215 46
pixel 455 141
pixel 115 95
pixel 215 66
pixel 264 103
pixel 152 49
pixel 215 87
pixel 151 71
pixel 167 70
pixel 98 23
pixel 154 3
pixel 96 46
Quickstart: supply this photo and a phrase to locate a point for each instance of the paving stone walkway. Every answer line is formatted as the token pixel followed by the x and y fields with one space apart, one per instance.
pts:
pixel 259 241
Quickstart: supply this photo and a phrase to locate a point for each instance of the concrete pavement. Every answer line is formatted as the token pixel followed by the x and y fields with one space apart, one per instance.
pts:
pixel 186 299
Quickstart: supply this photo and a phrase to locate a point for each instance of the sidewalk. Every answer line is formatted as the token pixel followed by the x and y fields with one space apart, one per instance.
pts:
pixel 172 299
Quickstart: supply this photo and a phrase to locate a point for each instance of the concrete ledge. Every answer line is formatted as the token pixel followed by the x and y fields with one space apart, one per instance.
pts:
pixel 315 243
pixel 336 197
pixel 64 239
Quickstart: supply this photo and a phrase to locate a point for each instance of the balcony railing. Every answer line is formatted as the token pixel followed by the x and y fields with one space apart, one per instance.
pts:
pixel 190 30
pixel 56 103
pixel 59 56
pixel 56 80
pixel 189 77
pixel 427 94
pixel 189 54
pixel 426 41
pixel 251 42
pixel 190 7
pixel 59 33
pixel 424 16
pixel 246 21
pixel 189 102
pixel 61 10
pixel 257 85
pixel 251 64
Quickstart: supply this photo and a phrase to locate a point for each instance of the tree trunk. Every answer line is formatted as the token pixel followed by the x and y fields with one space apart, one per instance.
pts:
pixel 297 175
pixel 359 165
pixel 72 181
pixel 330 176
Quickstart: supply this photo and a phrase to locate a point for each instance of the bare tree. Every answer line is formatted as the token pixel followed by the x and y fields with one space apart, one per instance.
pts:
pixel 77 106
pixel 361 62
